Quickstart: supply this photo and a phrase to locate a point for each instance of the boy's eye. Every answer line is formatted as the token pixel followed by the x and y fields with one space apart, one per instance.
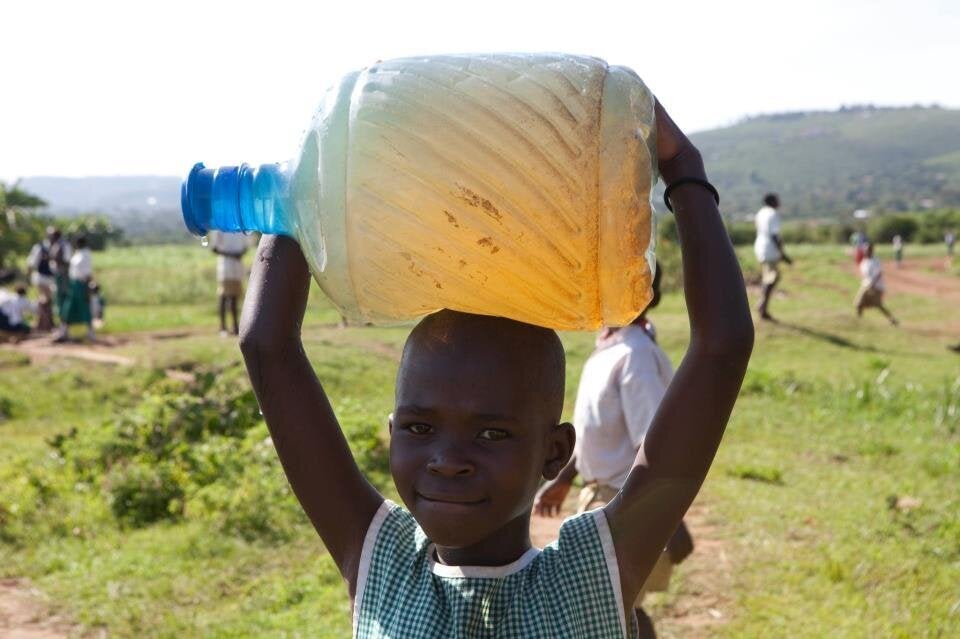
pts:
pixel 419 429
pixel 493 434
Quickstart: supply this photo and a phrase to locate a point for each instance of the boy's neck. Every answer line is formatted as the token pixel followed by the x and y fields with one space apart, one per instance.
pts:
pixel 502 547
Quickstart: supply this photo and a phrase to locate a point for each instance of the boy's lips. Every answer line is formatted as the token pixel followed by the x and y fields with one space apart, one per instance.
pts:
pixel 458 500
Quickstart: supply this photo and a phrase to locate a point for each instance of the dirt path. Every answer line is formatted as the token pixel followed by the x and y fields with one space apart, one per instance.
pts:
pixel 702 602
pixel 43 349
pixel 924 277
pixel 24 615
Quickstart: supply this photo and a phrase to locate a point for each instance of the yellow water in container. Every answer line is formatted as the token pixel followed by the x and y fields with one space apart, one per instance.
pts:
pixel 511 185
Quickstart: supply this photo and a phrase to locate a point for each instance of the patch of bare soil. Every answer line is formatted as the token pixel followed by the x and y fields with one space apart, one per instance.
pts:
pixel 24 614
pixel 42 349
pixel 703 601
pixel 922 277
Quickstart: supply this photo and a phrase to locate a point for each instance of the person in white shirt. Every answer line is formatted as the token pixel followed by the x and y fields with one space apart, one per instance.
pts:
pixel 872 287
pixel 769 250
pixel 13 306
pixel 620 389
pixel 75 308
pixel 898 250
pixel 229 248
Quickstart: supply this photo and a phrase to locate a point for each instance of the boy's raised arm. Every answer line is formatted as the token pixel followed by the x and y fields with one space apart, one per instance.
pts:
pixel 686 430
pixel 325 478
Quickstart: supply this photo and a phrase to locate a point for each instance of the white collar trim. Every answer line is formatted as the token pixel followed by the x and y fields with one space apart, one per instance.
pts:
pixel 483 572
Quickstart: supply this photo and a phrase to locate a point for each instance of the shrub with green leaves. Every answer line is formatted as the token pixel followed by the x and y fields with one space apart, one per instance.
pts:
pixel 142 492
pixel 197 451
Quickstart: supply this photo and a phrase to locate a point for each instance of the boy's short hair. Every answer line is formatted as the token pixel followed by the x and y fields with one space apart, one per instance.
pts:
pixel 771 199
pixel 20 289
pixel 537 349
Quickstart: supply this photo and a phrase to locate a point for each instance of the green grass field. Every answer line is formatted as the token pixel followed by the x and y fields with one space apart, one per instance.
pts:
pixel 835 497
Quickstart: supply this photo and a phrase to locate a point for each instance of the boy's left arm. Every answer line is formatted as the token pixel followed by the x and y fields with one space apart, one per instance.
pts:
pixel 689 423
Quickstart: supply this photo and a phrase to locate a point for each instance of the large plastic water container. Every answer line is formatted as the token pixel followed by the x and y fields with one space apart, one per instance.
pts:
pixel 515 185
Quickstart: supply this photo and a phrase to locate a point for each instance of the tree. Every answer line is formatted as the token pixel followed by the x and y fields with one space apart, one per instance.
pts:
pixel 15 197
pixel 20 225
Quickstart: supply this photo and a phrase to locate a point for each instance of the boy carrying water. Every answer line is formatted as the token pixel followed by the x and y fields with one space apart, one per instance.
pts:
pixel 475 429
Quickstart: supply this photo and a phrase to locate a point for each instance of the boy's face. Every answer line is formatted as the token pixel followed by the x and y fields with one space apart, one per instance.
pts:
pixel 471 437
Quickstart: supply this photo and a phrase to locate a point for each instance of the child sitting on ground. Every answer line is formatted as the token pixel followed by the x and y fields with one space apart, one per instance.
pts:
pixel 476 427
pixel 13 306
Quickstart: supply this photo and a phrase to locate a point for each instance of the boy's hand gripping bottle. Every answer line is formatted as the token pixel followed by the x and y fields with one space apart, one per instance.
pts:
pixel 511 185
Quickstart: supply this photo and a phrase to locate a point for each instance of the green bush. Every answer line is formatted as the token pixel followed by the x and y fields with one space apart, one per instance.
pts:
pixel 6 408
pixel 933 225
pixel 197 451
pixel 142 492
pixel 253 501
pixel 884 228
pixel 742 233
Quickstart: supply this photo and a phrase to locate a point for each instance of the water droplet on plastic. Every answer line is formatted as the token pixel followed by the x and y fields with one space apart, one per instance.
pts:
pixel 204 242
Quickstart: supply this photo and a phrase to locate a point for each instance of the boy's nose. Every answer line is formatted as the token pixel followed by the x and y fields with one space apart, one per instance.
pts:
pixel 448 464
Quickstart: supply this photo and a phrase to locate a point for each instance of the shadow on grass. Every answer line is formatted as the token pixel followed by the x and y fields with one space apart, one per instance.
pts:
pixel 829 338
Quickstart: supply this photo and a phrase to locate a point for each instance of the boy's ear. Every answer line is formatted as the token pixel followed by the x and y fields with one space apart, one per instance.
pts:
pixel 560 444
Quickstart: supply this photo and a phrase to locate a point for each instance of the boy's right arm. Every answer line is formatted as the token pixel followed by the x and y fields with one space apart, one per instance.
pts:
pixel 315 456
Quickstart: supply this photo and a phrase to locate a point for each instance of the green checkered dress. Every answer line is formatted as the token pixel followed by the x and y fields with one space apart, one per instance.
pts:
pixel 569 589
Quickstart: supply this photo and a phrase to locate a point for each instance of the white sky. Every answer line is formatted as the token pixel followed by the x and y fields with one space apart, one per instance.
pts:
pixel 95 87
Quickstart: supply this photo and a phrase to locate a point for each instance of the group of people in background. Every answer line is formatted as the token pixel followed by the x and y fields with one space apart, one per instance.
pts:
pixel 61 271
pixel 770 251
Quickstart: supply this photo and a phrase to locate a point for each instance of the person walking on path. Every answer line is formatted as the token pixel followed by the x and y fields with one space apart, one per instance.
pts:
pixel 898 250
pixel 769 251
pixel 872 287
pixel 950 239
pixel 76 303
pixel 229 248
pixel 621 387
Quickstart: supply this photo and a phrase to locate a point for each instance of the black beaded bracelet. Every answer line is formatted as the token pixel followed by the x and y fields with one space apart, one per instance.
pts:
pixel 689 180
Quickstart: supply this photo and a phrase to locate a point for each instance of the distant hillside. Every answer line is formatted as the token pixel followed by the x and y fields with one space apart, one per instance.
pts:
pixel 827 164
pixel 106 194
pixel 146 207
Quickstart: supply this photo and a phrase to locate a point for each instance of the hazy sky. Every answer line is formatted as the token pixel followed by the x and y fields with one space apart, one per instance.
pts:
pixel 107 88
